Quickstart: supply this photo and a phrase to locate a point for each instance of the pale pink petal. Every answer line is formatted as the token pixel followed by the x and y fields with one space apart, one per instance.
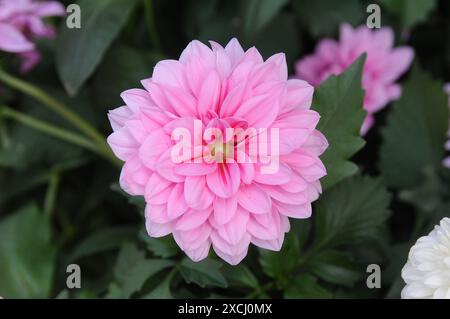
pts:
pixel 254 199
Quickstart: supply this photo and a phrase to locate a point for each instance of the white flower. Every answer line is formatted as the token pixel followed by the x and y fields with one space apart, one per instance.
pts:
pixel 427 272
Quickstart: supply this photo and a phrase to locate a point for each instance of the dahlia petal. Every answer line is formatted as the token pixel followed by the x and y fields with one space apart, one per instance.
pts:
pixel 234 51
pixel 267 111
pixel 254 199
pixel 281 176
pixel 153 147
pixel 224 209
pixel 223 64
pixel 283 196
pixel 294 211
pixel 274 245
pixel 316 143
pixel 209 94
pixel 157 213
pixel 195 169
pixel 123 144
pixel 399 61
pixel 196 193
pixel 118 116
pixel 233 231
pixel 49 8
pixel 233 100
pixel 194 238
pixel 270 231
pixel 176 205
pixel 12 40
pixel 29 60
pixel 166 168
pixel 158 230
pixel 247 172
pixel 224 182
pixel 198 49
pixel 192 219
pixel 180 101
pixel 170 73
pixel 134 177
pixel 298 95
pixel 157 190
pixel 199 253
pixel 137 99
pixel 197 71
pixel 230 253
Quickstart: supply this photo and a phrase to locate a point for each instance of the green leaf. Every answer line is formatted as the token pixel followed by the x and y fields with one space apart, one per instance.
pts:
pixel 351 212
pixel 79 51
pixel 162 291
pixel 164 247
pixel 339 101
pixel 414 136
pixel 122 68
pixel 258 13
pixel 204 273
pixel 280 265
pixel 306 287
pixel 409 12
pixel 240 276
pixel 132 269
pixel 323 17
pixel 103 240
pixel 336 268
pixel 27 255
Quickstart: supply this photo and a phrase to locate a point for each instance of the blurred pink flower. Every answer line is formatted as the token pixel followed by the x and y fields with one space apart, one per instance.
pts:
pixel 21 21
pixel 226 204
pixel 384 64
pixel 447 145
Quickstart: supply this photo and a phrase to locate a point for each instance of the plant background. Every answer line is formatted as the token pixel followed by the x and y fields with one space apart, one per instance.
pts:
pixel 61 204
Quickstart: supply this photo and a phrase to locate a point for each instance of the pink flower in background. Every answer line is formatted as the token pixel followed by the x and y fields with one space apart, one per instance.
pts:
pixel 447 145
pixel 223 204
pixel 384 64
pixel 21 21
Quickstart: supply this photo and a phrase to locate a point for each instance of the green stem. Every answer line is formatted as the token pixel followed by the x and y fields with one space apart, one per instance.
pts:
pixel 48 128
pixel 62 110
pixel 150 17
pixel 52 190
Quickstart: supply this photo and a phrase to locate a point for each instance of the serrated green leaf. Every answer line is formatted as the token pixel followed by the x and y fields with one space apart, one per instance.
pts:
pixel 240 276
pixel 164 247
pixel 103 240
pixel 280 265
pixel 204 273
pixel 132 269
pixel 416 129
pixel 27 255
pixel 336 267
pixel 306 287
pixel 162 291
pixel 339 101
pixel 351 212
pixel 409 12
pixel 79 51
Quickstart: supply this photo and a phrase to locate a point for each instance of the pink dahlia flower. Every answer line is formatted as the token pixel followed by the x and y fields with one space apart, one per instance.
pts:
pixel 447 145
pixel 21 21
pixel 220 196
pixel 383 66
